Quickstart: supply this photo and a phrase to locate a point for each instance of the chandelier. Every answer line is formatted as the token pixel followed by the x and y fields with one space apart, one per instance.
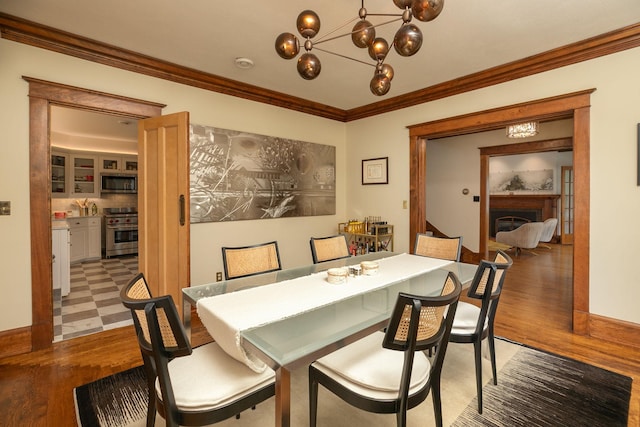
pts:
pixel 522 130
pixel 406 42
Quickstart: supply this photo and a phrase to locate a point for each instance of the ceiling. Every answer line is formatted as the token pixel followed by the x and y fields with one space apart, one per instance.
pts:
pixel 467 37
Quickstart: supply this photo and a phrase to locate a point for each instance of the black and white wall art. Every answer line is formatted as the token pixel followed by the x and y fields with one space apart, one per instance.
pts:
pixel 238 175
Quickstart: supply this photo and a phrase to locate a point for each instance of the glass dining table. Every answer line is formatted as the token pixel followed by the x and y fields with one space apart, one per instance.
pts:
pixel 298 340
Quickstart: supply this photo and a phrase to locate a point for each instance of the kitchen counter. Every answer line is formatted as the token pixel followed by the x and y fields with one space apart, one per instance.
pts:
pixel 59 224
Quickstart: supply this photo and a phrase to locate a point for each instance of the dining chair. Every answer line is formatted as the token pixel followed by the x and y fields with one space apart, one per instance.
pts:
pixel 245 261
pixel 188 386
pixel 329 248
pixel 472 324
pixel 438 247
pixel 397 375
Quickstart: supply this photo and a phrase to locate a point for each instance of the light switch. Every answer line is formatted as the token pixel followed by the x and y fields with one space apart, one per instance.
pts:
pixel 404 204
pixel 5 208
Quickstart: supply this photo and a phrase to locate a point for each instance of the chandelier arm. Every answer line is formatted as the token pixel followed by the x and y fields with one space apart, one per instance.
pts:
pixel 323 40
pixel 345 57
pixel 384 14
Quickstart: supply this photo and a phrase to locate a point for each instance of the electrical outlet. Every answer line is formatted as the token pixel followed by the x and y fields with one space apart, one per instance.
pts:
pixel 219 276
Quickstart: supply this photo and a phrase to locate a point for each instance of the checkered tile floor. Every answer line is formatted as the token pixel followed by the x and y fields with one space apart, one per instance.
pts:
pixel 93 305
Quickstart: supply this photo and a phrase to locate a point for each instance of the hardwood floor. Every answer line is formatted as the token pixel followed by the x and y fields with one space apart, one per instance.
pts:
pixel 535 309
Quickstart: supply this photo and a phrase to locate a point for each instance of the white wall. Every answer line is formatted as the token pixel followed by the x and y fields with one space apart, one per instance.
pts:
pixel 205 107
pixel 614 292
pixel 614 115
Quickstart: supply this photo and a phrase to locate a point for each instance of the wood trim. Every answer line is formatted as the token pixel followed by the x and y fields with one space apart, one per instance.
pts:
pixel 582 200
pixel 576 105
pixel 15 341
pixel 560 144
pixel 484 205
pixel 417 196
pixel 38 35
pixel 614 330
pixel 556 108
pixel 42 36
pixel 40 219
pixel 42 95
pixel 601 45
pixel 101 102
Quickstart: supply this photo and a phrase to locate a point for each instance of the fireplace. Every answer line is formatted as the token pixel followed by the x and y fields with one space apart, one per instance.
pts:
pixel 533 208
pixel 510 219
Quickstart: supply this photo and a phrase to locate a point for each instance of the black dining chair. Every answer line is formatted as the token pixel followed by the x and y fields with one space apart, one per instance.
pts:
pixel 329 248
pixel 397 375
pixel 243 261
pixel 188 386
pixel 448 248
pixel 473 324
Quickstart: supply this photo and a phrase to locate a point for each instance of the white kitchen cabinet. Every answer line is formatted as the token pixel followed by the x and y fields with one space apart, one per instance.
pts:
pixel 125 164
pixel 85 233
pixel 59 182
pixel 84 176
pixel 61 259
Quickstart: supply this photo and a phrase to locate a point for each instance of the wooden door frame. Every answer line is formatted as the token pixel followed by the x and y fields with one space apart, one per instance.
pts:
pixel 574 106
pixel 42 95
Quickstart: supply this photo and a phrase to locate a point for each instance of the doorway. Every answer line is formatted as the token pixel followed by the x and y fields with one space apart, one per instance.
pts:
pixel 42 95
pixel 574 106
pixel 89 144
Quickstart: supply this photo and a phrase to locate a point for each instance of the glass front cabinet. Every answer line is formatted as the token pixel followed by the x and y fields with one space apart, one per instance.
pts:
pixel 59 162
pixel 84 176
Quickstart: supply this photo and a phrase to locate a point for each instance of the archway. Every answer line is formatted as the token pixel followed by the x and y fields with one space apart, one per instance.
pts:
pixel 574 105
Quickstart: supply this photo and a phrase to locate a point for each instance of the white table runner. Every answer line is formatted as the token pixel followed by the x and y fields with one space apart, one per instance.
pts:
pixel 226 315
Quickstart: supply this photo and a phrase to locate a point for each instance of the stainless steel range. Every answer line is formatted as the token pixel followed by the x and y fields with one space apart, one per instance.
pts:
pixel 121 231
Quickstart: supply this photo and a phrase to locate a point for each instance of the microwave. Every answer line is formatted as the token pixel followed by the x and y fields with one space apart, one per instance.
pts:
pixel 118 183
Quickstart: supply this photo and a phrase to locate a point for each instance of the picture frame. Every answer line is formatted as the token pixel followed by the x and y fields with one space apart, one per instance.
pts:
pixel 375 171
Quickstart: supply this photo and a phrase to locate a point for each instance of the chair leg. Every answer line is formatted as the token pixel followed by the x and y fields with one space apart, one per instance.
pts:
pixel 492 354
pixel 478 356
pixel 437 401
pixel 313 399
pixel 401 418
pixel 151 392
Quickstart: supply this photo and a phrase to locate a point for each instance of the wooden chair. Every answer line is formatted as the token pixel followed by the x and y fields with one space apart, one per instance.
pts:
pixel 249 260
pixel 329 248
pixel 378 378
pixel 472 324
pixel 438 247
pixel 190 387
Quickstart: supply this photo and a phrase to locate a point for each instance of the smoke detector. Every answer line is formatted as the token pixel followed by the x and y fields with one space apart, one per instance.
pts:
pixel 244 63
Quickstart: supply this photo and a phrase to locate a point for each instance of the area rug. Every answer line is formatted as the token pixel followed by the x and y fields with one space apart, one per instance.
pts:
pixel 534 389
pixel 542 389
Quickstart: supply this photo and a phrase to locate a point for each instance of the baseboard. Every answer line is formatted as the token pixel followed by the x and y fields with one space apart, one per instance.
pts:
pixel 15 341
pixel 614 330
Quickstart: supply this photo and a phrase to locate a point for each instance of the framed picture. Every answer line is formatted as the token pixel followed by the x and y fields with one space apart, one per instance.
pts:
pixel 375 171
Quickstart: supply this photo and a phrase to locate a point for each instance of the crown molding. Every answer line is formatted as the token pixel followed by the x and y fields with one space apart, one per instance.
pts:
pixel 34 34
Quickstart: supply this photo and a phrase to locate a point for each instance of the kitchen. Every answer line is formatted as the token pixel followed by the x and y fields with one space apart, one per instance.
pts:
pixel 94 202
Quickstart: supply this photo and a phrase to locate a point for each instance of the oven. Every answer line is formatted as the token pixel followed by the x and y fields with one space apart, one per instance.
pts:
pixel 120 231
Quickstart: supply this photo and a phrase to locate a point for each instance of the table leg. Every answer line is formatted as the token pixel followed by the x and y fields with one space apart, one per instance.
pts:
pixel 283 397
pixel 186 317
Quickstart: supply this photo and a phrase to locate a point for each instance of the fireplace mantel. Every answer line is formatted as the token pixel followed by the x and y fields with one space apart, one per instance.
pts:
pixel 547 203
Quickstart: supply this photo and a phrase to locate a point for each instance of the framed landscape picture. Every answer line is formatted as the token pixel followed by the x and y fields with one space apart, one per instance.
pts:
pixel 375 171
